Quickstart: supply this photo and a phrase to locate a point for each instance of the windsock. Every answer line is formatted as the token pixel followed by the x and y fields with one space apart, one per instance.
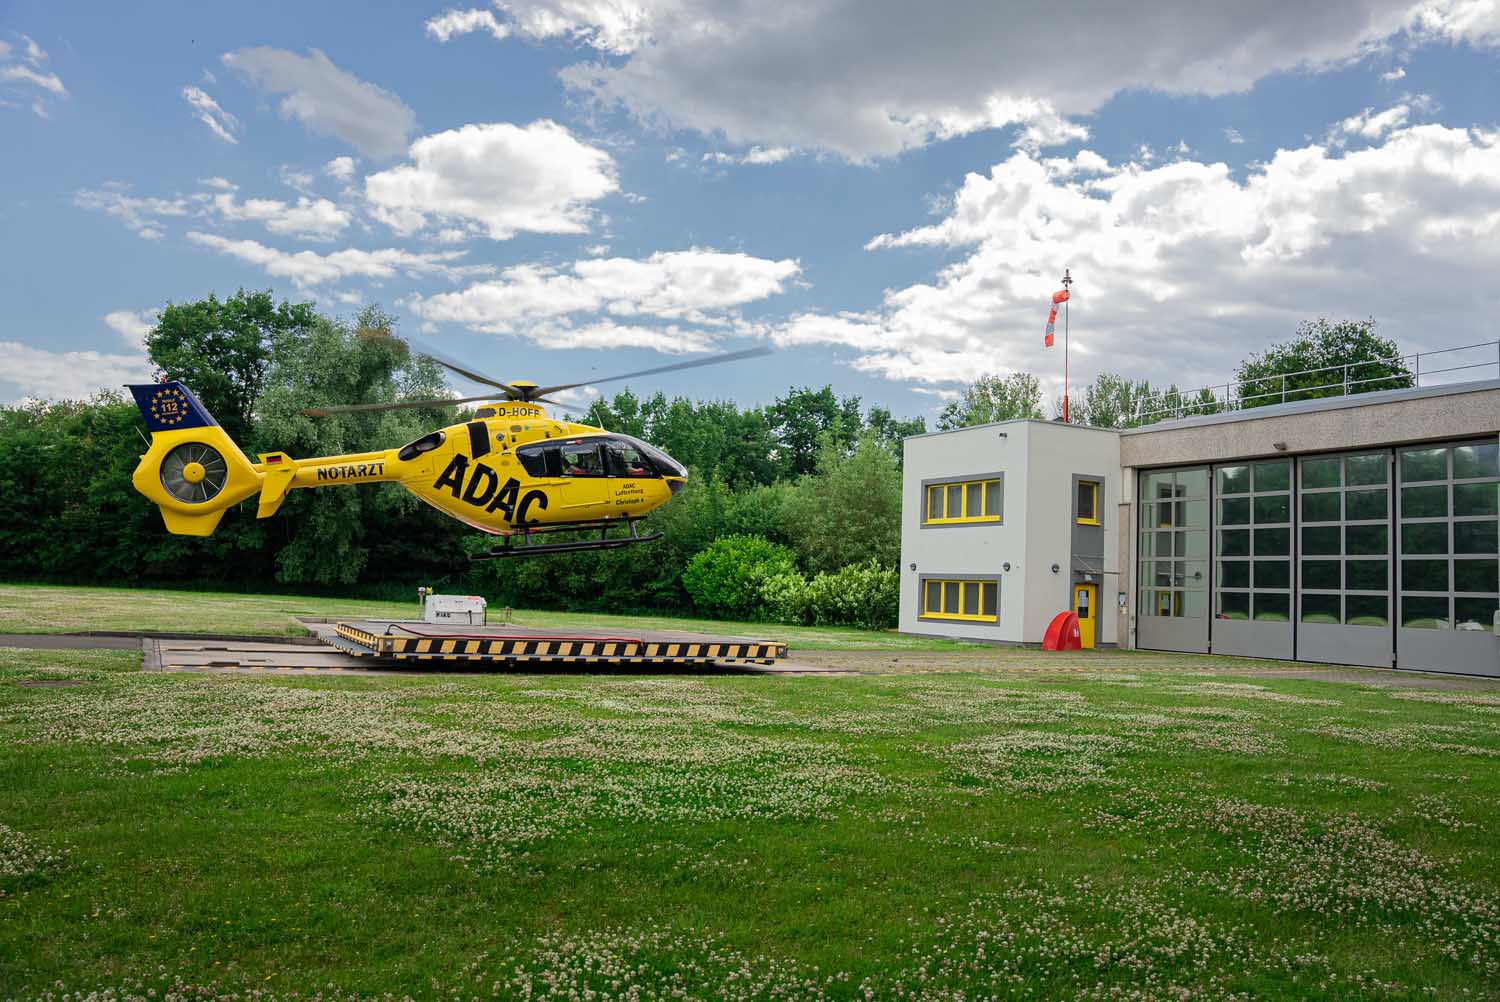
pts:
pixel 1058 298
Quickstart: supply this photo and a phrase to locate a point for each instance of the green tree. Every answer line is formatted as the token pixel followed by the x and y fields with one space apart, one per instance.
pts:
pixel 327 535
pixel 890 431
pixel 223 350
pixel 849 511
pixel 801 419
pixel 994 398
pixel 1349 351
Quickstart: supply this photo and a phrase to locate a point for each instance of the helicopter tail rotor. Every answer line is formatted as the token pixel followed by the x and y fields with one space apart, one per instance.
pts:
pixel 192 469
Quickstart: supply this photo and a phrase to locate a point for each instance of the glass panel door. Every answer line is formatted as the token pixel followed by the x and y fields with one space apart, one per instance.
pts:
pixel 1253 559
pixel 1344 580
pixel 1172 606
pixel 1449 557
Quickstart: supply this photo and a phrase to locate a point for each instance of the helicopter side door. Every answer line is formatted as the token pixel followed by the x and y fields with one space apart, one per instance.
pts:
pixel 585 490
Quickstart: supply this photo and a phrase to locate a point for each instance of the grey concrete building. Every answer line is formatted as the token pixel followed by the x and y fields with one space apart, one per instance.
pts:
pixel 1350 530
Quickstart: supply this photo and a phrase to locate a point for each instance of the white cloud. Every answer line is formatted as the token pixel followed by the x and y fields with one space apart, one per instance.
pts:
pixel 141 215
pixel 206 110
pixel 1233 135
pixel 38 374
pixel 1476 22
pixel 863 81
pixel 453 23
pixel 1183 261
pixel 308 268
pixel 327 100
pixel 767 154
pixel 27 75
pixel 22 74
pixel 1372 124
pixel 341 169
pixel 132 325
pixel 1391 76
pixel 670 301
pixel 755 156
pixel 309 218
pixel 498 179
pixel 297 180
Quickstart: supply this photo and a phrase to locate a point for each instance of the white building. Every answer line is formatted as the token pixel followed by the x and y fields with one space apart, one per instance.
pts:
pixel 1347 530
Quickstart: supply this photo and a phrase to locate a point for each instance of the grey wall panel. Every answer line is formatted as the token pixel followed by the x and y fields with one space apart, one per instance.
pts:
pixel 1369 646
pixel 1462 652
pixel 1248 639
pixel 1165 633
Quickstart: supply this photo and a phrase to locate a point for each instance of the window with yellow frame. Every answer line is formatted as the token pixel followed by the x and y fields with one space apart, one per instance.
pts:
pixel 969 600
pixel 1088 502
pixel 960 502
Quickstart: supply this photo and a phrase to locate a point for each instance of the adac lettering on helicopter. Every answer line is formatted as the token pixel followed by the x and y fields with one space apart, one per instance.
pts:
pixel 481 488
pixel 351 471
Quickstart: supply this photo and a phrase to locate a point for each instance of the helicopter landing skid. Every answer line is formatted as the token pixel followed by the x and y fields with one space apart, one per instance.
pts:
pixel 512 548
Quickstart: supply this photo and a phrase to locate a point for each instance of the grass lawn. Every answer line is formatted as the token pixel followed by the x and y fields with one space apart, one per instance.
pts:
pixel 27 608
pixel 1160 834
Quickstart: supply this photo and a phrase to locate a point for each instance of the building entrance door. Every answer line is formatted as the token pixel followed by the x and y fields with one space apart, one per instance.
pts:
pixel 1085 604
pixel 1172 604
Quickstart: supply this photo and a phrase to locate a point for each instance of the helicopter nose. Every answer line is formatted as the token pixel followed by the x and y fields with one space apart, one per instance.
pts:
pixel 675 484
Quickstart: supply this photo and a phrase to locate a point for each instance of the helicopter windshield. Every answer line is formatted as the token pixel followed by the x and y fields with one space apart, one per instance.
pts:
pixel 664 464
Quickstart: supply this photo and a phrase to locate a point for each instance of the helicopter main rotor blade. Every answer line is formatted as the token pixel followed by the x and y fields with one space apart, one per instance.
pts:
pixel 559 405
pixel 733 356
pixel 454 365
pixel 399 406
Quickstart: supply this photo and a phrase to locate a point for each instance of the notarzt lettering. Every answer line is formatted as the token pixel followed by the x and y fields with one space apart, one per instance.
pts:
pixel 351 471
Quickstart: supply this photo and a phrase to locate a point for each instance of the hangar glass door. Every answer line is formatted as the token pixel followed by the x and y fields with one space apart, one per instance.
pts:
pixel 1253 560
pixel 1344 579
pixel 1172 608
pixel 1449 581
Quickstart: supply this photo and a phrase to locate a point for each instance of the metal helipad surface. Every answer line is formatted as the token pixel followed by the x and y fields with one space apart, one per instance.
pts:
pixel 405 640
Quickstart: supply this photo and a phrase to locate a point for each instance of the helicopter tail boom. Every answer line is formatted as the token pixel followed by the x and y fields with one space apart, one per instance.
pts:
pixel 194 471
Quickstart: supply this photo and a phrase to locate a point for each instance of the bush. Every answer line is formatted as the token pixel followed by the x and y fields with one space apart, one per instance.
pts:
pixel 786 599
pixel 865 595
pixel 725 579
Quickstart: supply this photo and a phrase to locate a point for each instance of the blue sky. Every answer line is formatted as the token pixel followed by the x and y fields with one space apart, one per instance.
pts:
pixel 885 194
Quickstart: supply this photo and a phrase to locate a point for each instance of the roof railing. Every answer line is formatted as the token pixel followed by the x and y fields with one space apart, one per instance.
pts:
pixel 1288 387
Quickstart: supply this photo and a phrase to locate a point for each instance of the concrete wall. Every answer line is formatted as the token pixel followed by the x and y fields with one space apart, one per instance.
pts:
pixel 1057 454
pixel 1371 419
pixel 965 550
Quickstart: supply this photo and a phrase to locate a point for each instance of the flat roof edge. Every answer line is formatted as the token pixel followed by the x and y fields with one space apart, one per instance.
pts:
pixel 1002 424
pixel 1373 399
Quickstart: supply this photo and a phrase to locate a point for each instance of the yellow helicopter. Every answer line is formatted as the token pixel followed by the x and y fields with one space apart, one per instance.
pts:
pixel 510 470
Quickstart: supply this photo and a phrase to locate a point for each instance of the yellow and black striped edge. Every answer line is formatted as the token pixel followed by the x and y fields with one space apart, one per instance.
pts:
pixel 402 648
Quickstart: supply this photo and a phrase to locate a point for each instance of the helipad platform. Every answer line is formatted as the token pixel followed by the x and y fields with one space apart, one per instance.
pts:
pixel 397 640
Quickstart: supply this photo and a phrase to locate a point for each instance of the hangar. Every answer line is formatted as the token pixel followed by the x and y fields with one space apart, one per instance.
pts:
pixel 1356 529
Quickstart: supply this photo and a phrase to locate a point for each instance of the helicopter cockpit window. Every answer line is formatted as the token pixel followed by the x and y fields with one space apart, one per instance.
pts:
pixel 534 459
pixel 426 443
pixel 581 459
pixel 625 460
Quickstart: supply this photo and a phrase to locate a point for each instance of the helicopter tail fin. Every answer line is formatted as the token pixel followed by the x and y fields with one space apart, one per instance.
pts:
pixel 193 470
